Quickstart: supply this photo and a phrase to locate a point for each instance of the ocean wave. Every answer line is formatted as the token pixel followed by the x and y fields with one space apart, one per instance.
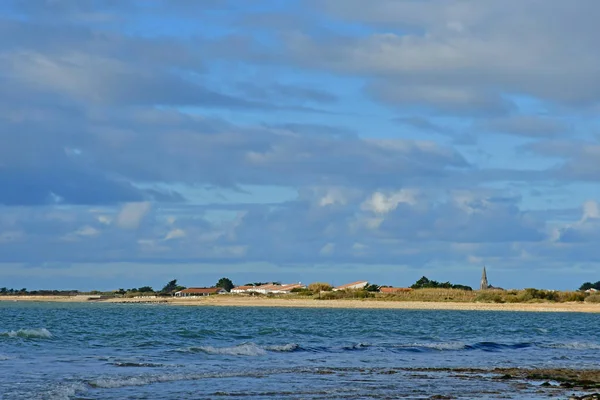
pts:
pixel 39 333
pixel 137 364
pixel 572 346
pixel 284 348
pixel 441 346
pixel 244 349
pixel 357 346
pixel 142 380
pixel 66 391
pixel 494 346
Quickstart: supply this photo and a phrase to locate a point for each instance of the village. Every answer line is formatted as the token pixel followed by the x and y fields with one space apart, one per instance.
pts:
pixel 277 288
pixel 274 288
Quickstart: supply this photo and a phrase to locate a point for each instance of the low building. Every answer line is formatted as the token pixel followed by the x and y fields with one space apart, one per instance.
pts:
pixel 287 289
pixel 394 290
pixel 242 289
pixel 591 290
pixel 352 286
pixel 268 288
pixel 196 292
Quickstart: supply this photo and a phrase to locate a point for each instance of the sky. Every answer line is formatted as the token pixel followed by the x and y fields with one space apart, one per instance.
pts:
pixel 299 140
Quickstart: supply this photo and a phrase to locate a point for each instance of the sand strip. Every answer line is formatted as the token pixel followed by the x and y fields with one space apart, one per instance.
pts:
pixel 245 301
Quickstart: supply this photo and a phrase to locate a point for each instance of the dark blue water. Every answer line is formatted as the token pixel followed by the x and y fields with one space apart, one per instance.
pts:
pixel 116 351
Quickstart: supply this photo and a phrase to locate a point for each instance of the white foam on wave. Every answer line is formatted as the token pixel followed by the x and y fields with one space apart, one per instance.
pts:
pixel 66 391
pixel 436 346
pixel 41 333
pixel 143 380
pixel 573 346
pixel 245 349
pixel 283 347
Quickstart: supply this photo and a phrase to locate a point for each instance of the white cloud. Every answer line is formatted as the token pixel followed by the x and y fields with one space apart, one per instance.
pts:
pixel 132 214
pixel 328 249
pixel 590 210
pixel 175 234
pixel 380 203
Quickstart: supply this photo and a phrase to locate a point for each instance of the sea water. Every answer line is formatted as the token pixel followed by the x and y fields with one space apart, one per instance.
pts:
pixel 119 351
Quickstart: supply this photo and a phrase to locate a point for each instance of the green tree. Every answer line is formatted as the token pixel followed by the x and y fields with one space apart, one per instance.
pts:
pixel 372 288
pixel 145 289
pixel 171 287
pixel 425 282
pixel 590 285
pixel 225 283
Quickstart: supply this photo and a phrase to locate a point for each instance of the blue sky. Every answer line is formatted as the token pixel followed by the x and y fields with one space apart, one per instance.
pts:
pixel 329 140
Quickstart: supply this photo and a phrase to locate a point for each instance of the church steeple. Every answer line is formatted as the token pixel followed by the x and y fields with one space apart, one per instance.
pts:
pixel 484 281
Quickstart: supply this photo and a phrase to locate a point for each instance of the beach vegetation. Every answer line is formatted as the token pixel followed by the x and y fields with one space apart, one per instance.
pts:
pixel 317 287
pixel 593 298
pixel 430 295
pixel 302 292
pixel 345 294
pixel 490 296
pixel 372 288
pixel 146 289
pixel 426 283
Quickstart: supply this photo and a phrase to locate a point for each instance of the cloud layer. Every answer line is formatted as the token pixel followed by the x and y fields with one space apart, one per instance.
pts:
pixel 313 137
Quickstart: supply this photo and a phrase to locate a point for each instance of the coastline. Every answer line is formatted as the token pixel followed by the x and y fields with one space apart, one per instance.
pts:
pixel 243 301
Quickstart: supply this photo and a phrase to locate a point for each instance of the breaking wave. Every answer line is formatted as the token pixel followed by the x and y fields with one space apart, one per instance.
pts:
pixel 138 365
pixel 284 348
pixel 244 349
pixel 40 333
pixel 573 346
pixel 142 380
pixel 443 346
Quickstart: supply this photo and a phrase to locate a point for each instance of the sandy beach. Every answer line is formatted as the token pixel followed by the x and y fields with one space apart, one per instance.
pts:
pixel 243 301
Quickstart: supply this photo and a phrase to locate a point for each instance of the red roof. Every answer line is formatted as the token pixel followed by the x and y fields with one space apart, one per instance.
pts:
pixel 194 290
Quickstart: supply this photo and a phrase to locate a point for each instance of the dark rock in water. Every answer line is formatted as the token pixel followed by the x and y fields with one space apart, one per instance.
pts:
pixel 441 397
pixel 592 396
pixel 505 376
pixel 546 384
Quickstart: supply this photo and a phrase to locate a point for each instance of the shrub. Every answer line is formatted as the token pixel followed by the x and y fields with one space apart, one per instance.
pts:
pixel 345 294
pixel 317 287
pixel 593 298
pixel 302 292
pixel 571 296
pixel 489 297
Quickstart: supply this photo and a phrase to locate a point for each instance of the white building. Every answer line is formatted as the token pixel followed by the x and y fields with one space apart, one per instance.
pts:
pixel 352 286
pixel 269 288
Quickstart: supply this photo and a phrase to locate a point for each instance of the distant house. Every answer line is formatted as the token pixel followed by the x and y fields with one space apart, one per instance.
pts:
pixel 268 288
pixel 353 285
pixel 286 289
pixel 195 292
pixel 242 289
pixel 394 290
pixel 591 290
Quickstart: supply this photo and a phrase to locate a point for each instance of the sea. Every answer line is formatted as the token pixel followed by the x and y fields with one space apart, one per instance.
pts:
pixel 145 351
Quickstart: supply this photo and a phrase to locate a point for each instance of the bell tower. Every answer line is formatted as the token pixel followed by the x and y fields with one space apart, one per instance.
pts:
pixel 484 282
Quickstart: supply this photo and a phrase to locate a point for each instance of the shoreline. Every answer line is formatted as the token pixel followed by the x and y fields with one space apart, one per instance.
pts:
pixel 244 301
